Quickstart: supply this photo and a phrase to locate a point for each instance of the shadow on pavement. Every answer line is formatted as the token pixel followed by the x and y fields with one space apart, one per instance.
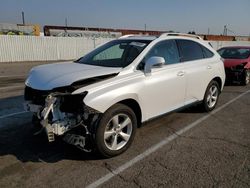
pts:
pixel 16 138
pixel 20 142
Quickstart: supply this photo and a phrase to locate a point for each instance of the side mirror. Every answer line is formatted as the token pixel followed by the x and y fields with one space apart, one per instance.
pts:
pixel 153 62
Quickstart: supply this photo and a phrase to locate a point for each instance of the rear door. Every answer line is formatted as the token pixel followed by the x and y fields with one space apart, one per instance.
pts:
pixel 198 69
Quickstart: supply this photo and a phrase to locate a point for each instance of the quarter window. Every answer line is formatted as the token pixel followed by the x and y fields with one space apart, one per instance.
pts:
pixel 207 53
pixel 189 50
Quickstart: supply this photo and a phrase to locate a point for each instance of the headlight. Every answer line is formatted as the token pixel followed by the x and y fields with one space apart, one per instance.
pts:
pixel 241 66
pixel 72 103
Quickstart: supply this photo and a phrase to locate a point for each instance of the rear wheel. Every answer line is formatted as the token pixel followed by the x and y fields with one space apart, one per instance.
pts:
pixel 211 96
pixel 246 77
pixel 115 131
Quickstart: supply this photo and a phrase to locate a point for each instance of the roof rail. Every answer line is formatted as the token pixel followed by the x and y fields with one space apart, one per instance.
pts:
pixel 180 34
pixel 126 36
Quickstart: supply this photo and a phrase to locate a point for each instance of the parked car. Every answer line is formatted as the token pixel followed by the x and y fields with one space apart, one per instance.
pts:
pixel 237 63
pixel 99 100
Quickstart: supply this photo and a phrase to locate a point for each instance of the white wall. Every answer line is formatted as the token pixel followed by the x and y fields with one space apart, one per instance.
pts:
pixel 33 48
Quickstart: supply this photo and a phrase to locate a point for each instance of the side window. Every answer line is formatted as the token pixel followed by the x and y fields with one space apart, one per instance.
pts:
pixel 189 50
pixel 166 49
pixel 207 53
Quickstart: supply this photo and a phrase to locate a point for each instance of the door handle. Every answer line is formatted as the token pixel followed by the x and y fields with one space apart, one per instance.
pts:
pixel 181 73
pixel 209 67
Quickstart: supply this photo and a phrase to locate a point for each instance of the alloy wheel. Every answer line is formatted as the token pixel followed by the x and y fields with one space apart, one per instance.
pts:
pixel 212 96
pixel 247 77
pixel 118 132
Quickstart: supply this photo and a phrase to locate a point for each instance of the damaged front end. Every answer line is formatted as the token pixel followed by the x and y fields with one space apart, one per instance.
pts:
pixel 235 73
pixel 62 114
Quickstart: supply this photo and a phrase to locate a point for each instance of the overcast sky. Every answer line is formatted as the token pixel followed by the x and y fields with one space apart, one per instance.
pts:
pixel 177 15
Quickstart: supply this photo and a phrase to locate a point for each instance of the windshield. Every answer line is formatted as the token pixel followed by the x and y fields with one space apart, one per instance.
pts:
pixel 117 53
pixel 234 53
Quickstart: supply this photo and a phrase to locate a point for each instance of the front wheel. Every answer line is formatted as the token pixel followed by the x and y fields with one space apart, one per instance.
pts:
pixel 115 131
pixel 211 96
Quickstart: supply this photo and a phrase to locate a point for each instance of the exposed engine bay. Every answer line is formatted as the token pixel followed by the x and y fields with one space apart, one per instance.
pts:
pixel 58 112
pixel 61 114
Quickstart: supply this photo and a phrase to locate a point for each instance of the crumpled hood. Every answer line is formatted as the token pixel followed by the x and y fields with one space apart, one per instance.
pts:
pixel 228 63
pixel 48 77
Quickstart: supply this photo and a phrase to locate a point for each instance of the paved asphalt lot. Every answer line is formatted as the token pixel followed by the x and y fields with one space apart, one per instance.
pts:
pixel 183 149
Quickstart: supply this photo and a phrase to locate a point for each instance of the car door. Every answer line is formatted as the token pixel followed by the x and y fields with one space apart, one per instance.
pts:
pixel 164 89
pixel 198 69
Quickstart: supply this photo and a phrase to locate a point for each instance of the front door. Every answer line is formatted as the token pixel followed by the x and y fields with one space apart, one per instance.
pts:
pixel 164 89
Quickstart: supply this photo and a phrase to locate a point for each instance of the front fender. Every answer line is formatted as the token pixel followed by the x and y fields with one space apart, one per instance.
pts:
pixel 102 102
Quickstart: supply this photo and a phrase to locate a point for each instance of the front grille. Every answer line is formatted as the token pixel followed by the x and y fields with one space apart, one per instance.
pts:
pixel 36 96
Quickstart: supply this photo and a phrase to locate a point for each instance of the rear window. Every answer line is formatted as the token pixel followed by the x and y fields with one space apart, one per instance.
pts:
pixel 234 53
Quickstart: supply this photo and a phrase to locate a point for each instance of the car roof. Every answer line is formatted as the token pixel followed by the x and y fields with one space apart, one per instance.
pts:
pixel 138 37
pixel 162 36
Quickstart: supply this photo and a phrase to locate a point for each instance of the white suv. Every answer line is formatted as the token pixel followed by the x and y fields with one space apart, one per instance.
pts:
pixel 99 100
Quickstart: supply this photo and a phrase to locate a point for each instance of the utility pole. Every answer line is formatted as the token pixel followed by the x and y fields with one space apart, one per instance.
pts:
pixel 23 18
pixel 66 22
pixel 225 30
pixel 145 27
pixel 208 31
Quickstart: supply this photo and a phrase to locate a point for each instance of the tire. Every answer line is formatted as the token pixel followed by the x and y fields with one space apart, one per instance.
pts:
pixel 246 77
pixel 211 96
pixel 118 124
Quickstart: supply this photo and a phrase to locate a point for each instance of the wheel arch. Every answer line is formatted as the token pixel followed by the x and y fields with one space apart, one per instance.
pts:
pixel 104 102
pixel 219 81
pixel 134 105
